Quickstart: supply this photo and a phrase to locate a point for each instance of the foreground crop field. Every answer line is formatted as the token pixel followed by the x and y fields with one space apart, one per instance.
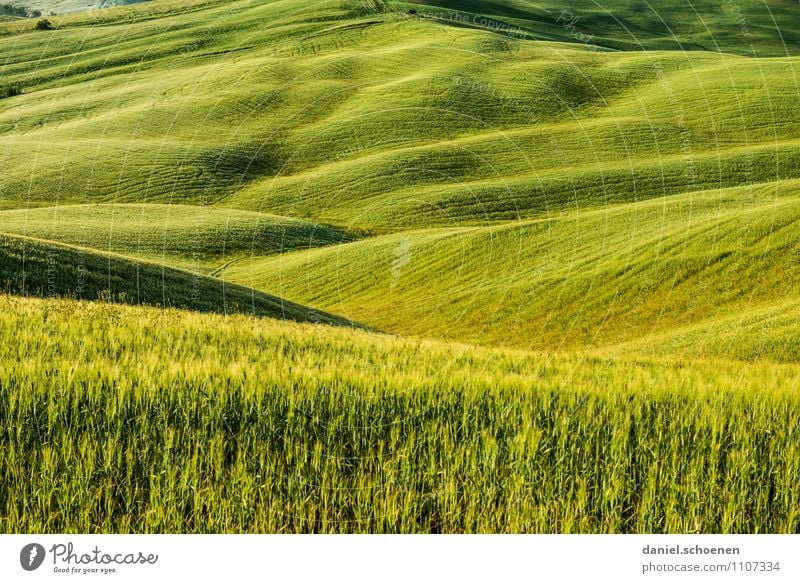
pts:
pixel 143 420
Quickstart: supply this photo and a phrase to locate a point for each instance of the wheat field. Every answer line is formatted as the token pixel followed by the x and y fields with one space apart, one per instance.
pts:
pixel 167 421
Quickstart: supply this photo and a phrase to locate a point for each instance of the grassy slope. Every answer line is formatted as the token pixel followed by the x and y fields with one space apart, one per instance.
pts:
pixel 118 419
pixel 591 279
pixel 35 268
pixel 196 237
pixel 520 192
pixel 339 115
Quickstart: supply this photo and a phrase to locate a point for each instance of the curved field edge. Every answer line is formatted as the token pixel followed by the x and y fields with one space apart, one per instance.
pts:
pixel 30 267
pixel 123 419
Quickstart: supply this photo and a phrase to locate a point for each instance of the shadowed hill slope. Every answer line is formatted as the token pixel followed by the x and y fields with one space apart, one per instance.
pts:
pixel 763 28
pixel 35 268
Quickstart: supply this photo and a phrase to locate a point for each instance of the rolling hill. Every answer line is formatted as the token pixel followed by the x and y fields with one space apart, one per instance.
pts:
pixel 754 28
pixel 342 119
pixel 29 267
pixel 194 237
pixel 576 280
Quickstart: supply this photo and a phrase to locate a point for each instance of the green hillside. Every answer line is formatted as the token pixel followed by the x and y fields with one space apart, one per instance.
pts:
pixel 141 420
pixel 526 192
pixel 191 236
pixel 30 267
pixel 589 279
pixel 343 118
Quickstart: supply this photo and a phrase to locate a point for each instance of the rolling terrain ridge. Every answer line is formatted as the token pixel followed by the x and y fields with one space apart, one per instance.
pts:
pixel 343 119
pixel 588 279
pixel 195 237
